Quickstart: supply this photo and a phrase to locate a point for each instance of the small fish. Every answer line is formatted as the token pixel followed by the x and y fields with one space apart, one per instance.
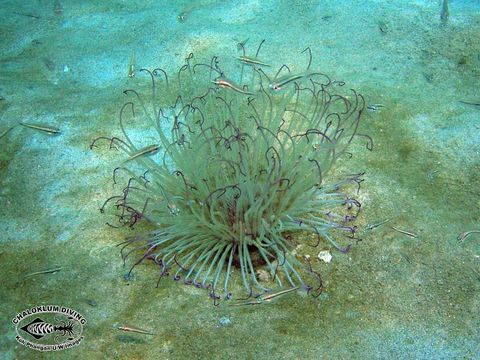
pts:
pixel 278 84
pixel 6 131
pixel 431 174
pixel 49 271
pixel 444 13
pixel 466 234
pixel 149 150
pixel 252 61
pixel 373 226
pixel 35 16
pixel 374 107
pixel 473 103
pixel 182 16
pixel 134 329
pixel 226 84
pixel 173 209
pixel 408 233
pixel 383 26
pixel 131 66
pixel 267 297
pixel 57 7
pixel 48 129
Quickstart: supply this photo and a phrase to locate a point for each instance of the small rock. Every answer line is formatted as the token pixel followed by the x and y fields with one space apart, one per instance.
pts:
pixel 263 275
pixel 325 256
pixel 224 321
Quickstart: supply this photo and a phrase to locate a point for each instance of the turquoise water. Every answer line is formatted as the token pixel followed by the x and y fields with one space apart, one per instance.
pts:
pixel 65 64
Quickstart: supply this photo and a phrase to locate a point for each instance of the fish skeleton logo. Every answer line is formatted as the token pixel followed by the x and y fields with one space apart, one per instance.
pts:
pixel 49 328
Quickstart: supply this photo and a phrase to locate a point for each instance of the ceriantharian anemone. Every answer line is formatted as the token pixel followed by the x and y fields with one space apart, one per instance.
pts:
pixel 228 173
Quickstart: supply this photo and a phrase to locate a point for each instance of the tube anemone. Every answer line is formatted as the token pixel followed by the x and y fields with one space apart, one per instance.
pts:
pixel 239 168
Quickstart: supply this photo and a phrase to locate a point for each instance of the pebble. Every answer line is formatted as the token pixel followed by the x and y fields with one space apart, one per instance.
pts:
pixel 263 275
pixel 224 321
pixel 325 256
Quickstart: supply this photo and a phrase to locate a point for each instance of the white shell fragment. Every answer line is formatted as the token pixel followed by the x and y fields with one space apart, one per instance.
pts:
pixel 263 275
pixel 325 256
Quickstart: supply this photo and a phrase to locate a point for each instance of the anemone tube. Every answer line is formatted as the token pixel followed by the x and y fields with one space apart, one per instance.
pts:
pixel 239 172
